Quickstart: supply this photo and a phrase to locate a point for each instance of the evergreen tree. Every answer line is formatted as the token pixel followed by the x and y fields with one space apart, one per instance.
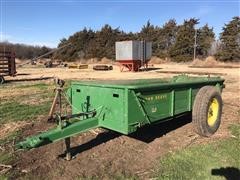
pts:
pixel 79 44
pixel 205 38
pixel 105 41
pixel 230 41
pixel 127 36
pixel 166 38
pixel 149 33
pixel 170 40
pixel 183 48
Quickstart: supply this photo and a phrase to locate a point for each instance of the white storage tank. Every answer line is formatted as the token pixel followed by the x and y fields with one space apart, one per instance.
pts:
pixel 133 50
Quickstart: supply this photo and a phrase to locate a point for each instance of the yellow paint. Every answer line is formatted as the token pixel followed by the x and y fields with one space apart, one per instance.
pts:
pixel 213 112
pixel 157 97
pixel 77 66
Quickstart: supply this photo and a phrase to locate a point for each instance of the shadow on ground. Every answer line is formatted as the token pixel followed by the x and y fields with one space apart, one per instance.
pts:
pixel 23 74
pixel 150 69
pixel 146 134
pixel 28 79
pixel 230 173
pixel 150 133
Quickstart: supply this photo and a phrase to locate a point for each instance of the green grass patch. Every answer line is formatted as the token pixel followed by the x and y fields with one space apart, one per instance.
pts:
pixel 7 157
pixel 211 161
pixel 235 129
pixel 15 111
pixel 28 105
pixel 34 101
pixel 2 177
pixel 19 86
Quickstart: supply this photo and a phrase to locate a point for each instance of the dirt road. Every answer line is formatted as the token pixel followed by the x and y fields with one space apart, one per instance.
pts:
pixel 103 154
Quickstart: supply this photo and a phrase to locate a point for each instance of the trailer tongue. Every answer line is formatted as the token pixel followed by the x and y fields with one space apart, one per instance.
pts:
pixel 125 106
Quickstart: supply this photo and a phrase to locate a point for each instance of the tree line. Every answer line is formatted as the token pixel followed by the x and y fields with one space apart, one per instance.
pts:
pixel 23 51
pixel 172 40
pixel 169 41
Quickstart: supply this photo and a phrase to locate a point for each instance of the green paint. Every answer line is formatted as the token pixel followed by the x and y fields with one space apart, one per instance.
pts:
pixel 124 106
pixel 59 133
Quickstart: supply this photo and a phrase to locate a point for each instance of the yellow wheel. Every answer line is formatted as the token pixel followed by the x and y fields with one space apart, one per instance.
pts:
pixel 207 110
pixel 213 112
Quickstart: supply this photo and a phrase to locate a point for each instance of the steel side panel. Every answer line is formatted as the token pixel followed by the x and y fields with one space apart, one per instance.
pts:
pixel 109 103
pixel 124 109
pixel 157 104
pixel 181 101
pixel 135 114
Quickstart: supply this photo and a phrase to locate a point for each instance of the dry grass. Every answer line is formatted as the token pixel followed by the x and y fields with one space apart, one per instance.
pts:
pixel 18 61
pixel 209 61
pixel 92 61
pixel 8 128
pixel 157 60
pixel 106 61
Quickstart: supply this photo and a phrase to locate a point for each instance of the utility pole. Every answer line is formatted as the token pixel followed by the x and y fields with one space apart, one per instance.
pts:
pixel 195 45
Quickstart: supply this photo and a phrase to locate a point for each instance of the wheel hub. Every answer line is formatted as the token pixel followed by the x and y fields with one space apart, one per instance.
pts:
pixel 213 112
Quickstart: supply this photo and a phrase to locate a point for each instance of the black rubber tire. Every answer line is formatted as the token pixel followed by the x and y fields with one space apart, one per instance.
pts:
pixel 2 80
pixel 110 68
pixel 101 68
pixel 200 111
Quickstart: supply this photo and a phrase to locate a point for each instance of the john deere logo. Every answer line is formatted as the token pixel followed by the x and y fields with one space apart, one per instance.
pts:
pixel 154 109
pixel 157 97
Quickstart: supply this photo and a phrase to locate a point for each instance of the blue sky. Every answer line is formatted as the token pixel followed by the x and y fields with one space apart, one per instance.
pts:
pixel 43 22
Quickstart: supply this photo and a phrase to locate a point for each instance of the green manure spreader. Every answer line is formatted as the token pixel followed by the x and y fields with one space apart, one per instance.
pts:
pixel 126 105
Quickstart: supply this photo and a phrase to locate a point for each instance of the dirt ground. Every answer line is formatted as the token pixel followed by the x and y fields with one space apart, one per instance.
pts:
pixel 105 153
